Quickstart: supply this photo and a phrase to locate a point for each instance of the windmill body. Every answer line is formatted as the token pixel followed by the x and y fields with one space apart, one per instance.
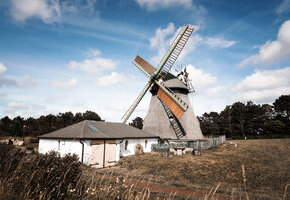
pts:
pixel 170 115
pixel 157 121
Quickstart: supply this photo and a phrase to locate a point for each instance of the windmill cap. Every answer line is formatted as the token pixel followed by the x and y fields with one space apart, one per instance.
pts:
pixel 172 82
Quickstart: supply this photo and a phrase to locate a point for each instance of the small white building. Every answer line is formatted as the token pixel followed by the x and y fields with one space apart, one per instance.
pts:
pixel 98 144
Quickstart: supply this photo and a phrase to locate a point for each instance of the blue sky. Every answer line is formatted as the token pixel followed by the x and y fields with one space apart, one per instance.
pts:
pixel 58 56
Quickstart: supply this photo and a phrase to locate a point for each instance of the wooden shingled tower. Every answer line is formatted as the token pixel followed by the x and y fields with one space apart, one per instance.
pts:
pixel 170 115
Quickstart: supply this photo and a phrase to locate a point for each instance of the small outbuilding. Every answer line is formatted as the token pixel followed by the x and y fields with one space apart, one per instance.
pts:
pixel 98 144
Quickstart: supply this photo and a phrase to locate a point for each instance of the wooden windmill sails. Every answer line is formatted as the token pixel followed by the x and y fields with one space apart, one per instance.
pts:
pixel 173 105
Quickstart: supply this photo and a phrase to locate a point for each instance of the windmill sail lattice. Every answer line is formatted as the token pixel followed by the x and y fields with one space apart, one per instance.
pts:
pixel 135 104
pixel 175 123
pixel 173 52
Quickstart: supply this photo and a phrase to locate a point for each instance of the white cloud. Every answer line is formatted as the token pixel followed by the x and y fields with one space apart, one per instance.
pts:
pixel 23 109
pixel 21 82
pixel 190 46
pixel 65 84
pixel 209 94
pixel 200 79
pixel 163 38
pixel 265 86
pixel 111 79
pixel 214 91
pixel 93 52
pixel 160 36
pixel 4 80
pixel 94 65
pixel 86 8
pixel 46 10
pixel 218 42
pixel 284 7
pixel 3 69
pixel 161 4
pixel 272 51
pixel 26 81
pixel 160 41
pixel 14 106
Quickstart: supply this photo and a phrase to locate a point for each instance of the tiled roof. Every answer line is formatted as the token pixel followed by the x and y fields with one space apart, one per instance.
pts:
pixel 89 129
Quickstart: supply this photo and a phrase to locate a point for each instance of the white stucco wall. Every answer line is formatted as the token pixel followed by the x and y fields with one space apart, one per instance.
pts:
pixel 118 149
pixel 64 147
pixel 131 145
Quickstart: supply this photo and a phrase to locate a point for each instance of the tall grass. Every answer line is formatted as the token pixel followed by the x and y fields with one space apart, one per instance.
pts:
pixel 47 176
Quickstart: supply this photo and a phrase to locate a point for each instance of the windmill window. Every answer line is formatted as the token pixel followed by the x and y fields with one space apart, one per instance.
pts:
pixel 126 144
pixel 146 143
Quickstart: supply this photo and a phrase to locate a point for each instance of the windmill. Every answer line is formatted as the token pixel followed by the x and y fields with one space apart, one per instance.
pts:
pixel 169 115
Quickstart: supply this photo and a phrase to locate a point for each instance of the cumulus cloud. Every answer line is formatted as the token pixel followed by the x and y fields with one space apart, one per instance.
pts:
pixel 266 85
pixel 159 38
pixel 160 41
pixel 111 79
pixel 4 80
pixel 21 82
pixel 190 46
pixel 3 69
pixel 214 91
pixel 209 94
pixel 272 51
pixel 164 37
pixel 46 10
pixel 94 65
pixel 284 7
pixel 153 5
pixel 200 79
pixel 65 84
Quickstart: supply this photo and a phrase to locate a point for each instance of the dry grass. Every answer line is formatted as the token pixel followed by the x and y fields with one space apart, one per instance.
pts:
pixel 256 169
pixel 41 177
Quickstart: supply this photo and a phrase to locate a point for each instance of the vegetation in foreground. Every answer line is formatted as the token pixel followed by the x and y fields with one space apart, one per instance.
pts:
pixel 36 176
pixel 266 169
pixel 255 169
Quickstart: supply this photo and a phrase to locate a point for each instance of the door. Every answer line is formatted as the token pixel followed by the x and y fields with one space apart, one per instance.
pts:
pixel 110 155
pixel 97 153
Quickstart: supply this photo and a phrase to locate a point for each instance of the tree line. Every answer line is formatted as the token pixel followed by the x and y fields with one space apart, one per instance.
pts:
pixel 44 124
pixel 241 120
pixel 236 121
pixel 250 120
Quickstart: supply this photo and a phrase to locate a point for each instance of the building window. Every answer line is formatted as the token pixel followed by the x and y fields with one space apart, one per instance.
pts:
pixel 146 143
pixel 126 144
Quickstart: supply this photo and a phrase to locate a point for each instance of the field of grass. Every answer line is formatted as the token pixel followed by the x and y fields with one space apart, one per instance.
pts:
pixel 266 169
pixel 245 169
pixel 45 177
